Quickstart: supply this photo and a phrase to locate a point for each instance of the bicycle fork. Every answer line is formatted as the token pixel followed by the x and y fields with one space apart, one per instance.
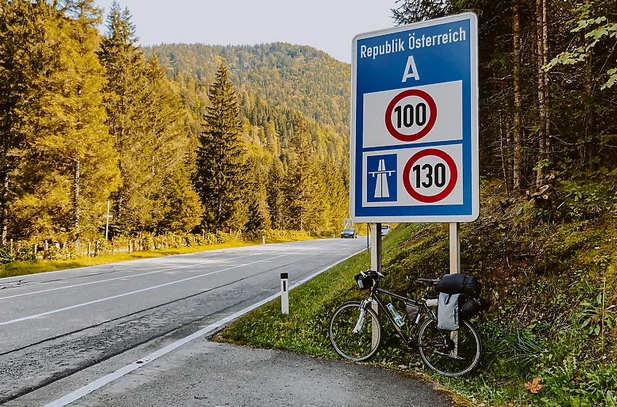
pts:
pixel 360 322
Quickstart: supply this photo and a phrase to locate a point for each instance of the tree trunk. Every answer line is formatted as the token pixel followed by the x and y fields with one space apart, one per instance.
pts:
pixel 547 114
pixel 4 201
pixel 516 122
pixel 76 208
pixel 541 96
pixel 588 148
pixel 503 141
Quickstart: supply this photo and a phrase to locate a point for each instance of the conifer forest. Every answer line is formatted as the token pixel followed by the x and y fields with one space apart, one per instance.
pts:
pixel 175 139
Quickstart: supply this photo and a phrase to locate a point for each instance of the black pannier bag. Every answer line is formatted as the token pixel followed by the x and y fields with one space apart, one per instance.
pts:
pixel 459 283
pixel 469 307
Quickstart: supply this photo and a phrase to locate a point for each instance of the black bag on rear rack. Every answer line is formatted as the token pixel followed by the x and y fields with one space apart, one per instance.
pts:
pixel 459 283
pixel 469 307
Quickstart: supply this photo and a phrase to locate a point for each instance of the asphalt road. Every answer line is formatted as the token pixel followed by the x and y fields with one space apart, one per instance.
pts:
pixel 134 333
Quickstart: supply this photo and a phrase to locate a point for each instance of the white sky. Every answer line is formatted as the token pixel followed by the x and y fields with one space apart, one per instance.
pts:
pixel 328 25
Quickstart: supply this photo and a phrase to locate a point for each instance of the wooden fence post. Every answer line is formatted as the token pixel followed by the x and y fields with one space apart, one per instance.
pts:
pixel 36 248
pixel 89 248
pixel 97 248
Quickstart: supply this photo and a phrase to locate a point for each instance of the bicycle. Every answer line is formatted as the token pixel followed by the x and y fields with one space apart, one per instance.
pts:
pixel 356 337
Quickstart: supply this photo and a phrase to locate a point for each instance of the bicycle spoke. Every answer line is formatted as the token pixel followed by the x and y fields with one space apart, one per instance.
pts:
pixel 355 332
pixel 440 353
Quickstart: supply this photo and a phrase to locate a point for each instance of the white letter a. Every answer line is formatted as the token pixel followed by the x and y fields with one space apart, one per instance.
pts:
pixel 410 70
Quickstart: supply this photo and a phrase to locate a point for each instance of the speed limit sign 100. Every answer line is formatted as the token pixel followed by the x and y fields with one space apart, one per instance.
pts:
pixel 411 115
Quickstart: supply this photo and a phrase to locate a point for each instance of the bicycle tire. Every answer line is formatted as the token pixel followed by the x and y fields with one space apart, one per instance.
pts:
pixel 442 359
pixel 355 346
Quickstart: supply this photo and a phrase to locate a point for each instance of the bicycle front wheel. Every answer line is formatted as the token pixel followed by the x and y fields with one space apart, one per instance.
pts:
pixel 450 353
pixel 355 332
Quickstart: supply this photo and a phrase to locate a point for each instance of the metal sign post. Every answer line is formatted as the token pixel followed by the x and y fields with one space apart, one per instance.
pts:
pixel 376 247
pixel 455 248
pixel 376 252
pixel 107 217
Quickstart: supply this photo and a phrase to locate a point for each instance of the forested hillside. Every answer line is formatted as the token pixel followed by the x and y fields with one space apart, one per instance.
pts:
pixel 90 120
pixel 284 76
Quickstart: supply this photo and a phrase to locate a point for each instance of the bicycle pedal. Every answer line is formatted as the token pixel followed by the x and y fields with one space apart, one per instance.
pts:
pixel 449 355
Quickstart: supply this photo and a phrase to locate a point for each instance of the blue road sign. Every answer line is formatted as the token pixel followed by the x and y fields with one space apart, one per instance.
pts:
pixel 414 125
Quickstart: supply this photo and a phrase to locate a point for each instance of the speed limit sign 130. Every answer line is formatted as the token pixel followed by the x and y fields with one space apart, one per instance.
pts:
pixel 414 126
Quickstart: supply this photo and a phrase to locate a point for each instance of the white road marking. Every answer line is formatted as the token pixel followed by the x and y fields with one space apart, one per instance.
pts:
pixel 97 384
pixel 111 279
pixel 251 248
pixel 133 292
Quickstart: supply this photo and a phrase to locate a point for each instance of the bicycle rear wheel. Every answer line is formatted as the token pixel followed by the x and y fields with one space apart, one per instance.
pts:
pixel 363 343
pixel 440 352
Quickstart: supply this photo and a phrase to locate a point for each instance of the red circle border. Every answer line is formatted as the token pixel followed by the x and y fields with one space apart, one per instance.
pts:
pixel 451 184
pixel 429 126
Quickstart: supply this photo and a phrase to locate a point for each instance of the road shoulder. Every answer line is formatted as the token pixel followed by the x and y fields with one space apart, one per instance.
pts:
pixel 219 374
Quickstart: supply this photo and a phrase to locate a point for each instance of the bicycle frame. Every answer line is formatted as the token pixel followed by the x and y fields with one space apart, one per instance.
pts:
pixel 375 295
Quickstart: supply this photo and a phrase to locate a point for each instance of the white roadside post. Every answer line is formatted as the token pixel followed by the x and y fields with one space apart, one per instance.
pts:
pixel 284 293
pixel 263 238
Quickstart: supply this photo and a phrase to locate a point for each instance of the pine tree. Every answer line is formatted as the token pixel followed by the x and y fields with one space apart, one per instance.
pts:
pixel 21 64
pixel 276 194
pixel 304 206
pixel 258 164
pixel 221 178
pixel 174 201
pixel 337 196
pixel 71 161
pixel 127 93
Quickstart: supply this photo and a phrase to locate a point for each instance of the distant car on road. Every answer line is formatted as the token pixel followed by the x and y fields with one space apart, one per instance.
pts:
pixel 349 232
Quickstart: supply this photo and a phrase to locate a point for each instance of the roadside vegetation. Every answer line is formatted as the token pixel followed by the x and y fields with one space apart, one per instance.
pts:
pixel 548 265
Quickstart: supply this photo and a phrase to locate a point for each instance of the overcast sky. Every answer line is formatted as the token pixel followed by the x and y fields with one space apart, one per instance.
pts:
pixel 328 25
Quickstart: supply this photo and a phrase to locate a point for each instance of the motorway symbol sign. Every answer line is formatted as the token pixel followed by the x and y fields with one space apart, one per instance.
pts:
pixel 414 127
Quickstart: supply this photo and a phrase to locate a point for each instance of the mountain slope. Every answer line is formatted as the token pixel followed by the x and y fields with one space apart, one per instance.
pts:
pixel 290 77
